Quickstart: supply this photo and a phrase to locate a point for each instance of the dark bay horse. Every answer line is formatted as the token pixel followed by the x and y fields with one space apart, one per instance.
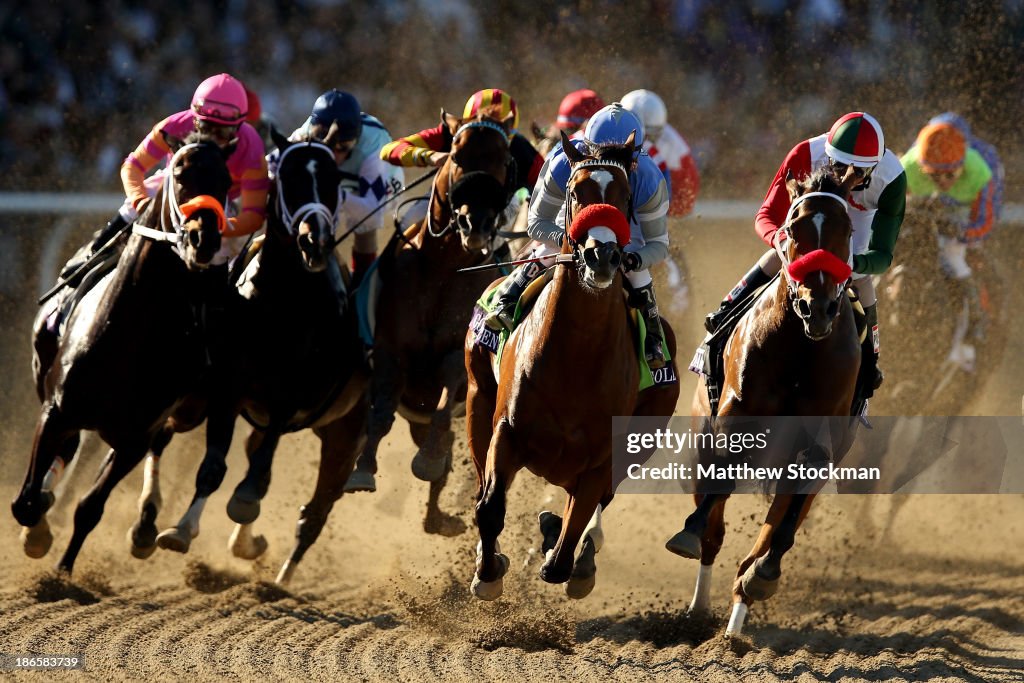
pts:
pixel 302 366
pixel 794 353
pixel 133 349
pixel 566 370
pixel 425 305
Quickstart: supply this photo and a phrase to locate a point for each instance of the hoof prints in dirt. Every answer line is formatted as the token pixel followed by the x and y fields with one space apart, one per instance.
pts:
pixel 56 586
pixel 205 579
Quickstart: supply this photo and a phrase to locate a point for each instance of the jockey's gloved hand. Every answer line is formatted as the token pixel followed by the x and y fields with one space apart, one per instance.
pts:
pixel 631 261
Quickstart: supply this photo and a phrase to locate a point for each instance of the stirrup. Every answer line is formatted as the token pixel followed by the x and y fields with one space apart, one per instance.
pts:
pixel 655 357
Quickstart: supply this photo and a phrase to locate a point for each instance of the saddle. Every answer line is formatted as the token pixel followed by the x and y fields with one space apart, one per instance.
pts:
pixel 708 360
pixel 495 341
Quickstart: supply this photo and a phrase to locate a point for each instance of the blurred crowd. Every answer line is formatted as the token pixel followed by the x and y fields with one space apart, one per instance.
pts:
pixel 82 83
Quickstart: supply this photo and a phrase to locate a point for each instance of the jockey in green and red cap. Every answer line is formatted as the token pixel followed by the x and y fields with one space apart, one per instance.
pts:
pixel 855 144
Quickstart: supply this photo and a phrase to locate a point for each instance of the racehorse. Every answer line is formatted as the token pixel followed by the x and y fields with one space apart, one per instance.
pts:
pixel 425 305
pixel 549 405
pixel 110 371
pixel 794 353
pixel 302 366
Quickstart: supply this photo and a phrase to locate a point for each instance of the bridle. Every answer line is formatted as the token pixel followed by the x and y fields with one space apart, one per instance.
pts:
pixel 781 242
pixel 589 256
pixel 173 215
pixel 509 188
pixel 292 219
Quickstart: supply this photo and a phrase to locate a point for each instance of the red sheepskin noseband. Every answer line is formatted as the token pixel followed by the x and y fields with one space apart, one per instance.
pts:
pixel 596 215
pixel 819 259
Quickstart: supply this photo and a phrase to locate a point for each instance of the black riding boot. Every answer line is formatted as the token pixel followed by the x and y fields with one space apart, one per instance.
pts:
pixel 99 238
pixel 870 376
pixel 654 346
pixel 754 278
pixel 508 295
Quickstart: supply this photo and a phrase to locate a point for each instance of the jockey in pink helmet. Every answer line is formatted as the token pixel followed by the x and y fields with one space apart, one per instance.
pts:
pixel 219 108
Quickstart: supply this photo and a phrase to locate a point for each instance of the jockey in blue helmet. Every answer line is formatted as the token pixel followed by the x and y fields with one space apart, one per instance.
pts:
pixel 612 124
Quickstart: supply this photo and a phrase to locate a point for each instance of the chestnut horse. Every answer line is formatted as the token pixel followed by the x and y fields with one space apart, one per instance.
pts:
pixel 302 366
pixel 425 305
pixel 134 347
pixel 551 406
pixel 796 353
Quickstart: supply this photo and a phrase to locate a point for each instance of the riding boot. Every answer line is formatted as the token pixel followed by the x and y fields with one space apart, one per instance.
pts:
pixel 99 238
pixel 754 278
pixel 654 345
pixel 870 376
pixel 509 291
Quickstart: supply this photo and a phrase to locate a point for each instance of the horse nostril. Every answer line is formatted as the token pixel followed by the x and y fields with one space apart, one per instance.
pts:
pixel 195 238
pixel 615 259
pixel 833 309
pixel 803 308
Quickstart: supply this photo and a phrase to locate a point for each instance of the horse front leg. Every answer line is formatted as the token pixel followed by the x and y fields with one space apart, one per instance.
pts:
pixel 116 465
pixel 758 575
pixel 581 513
pixel 710 545
pixel 491 565
pixel 386 388
pixel 220 426
pixel 341 441
pixel 436 521
pixel 244 506
pixel 143 533
pixel 53 448
pixel 433 460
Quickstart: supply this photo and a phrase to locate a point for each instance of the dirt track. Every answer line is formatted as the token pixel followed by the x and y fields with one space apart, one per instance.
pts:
pixel 938 598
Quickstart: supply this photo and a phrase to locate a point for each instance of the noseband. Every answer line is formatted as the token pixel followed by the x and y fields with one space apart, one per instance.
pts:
pixel 475 183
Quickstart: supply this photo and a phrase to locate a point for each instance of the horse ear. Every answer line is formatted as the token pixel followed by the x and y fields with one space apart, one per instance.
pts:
pixel 172 141
pixel 792 186
pixel 537 132
pixel 450 120
pixel 631 141
pixel 278 137
pixel 508 121
pixel 229 149
pixel 571 153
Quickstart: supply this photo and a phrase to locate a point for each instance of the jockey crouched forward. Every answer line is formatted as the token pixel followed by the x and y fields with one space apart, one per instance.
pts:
pixel 356 138
pixel 430 147
pixel 854 145
pixel 219 108
pixel 648 226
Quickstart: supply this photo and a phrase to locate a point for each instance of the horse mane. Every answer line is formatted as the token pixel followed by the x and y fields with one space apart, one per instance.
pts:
pixel 822 180
pixel 609 151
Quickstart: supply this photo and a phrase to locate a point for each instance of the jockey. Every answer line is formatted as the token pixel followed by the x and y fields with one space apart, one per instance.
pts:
pixel 855 144
pixel 649 245
pixel 430 147
pixel 356 138
pixel 667 149
pixel 992 196
pixel 941 165
pixel 219 108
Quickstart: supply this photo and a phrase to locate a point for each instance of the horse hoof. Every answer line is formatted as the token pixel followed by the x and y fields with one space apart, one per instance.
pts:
pixel 242 511
pixel 249 549
pixel 142 536
pixel 360 481
pixel 758 586
pixel 579 588
pixel 140 552
pixel 550 573
pixel 685 544
pixel 426 468
pixel 284 577
pixel 175 539
pixel 36 540
pixel 491 590
pixel 550 529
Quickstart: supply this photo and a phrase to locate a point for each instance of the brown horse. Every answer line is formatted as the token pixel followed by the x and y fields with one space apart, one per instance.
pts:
pixel 556 391
pixel 794 353
pixel 302 365
pixel 424 306
pixel 111 370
